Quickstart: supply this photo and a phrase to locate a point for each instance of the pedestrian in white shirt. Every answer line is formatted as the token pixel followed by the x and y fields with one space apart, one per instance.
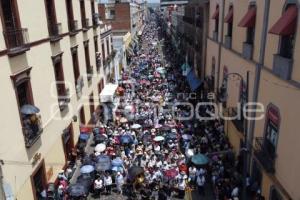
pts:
pixel 119 182
pixel 98 186
pixel 108 183
pixel 201 184
pixel 192 173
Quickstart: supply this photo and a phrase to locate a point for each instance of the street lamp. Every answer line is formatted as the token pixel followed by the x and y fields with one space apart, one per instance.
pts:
pixel 245 149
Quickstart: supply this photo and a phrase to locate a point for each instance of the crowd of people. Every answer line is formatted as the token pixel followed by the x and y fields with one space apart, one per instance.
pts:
pixel 149 151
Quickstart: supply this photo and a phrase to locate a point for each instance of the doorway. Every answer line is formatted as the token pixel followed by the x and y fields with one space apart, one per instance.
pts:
pixel 39 181
pixel 68 142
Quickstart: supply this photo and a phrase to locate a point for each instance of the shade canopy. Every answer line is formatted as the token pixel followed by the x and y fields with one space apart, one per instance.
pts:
pixel 103 163
pixel 216 13
pixel 287 23
pixel 77 190
pixel 229 16
pixel 108 93
pixel 249 19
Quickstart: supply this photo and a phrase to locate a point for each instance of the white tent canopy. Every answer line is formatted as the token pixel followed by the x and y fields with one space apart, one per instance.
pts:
pixel 108 93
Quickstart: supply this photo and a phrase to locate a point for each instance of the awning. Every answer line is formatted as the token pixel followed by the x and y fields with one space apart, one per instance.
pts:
pixel 287 23
pixel 140 33
pixel 229 16
pixel 249 19
pixel 216 14
pixel 108 93
pixel 193 80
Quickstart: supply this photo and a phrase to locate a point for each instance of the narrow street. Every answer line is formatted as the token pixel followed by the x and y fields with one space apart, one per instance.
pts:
pixel 160 152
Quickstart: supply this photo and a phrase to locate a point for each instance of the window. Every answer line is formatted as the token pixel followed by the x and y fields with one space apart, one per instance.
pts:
pixel 75 64
pixel 112 12
pixel 82 116
pixel 60 80
pixel 51 17
pixel 272 130
pixel 23 91
pixel 107 46
pixel 70 15
pixel 92 106
pixel 229 21
pixel 10 15
pixel 285 27
pixel 248 21
pixel 87 56
pixel 82 13
pixel 103 51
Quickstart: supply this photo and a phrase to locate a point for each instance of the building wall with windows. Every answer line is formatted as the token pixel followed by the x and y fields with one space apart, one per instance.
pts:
pixel 21 161
pixel 269 56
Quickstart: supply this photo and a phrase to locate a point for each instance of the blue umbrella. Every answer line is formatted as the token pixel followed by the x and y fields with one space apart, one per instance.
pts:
pixel 200 159
pixel 84 137
pixel 126 139
pixel 117 162
pixel 117 169
pixel 29 109
pixel 86 169
pixel 103 164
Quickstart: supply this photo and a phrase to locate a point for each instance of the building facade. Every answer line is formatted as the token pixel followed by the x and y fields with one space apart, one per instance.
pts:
pixel 251 57
pixel 51 59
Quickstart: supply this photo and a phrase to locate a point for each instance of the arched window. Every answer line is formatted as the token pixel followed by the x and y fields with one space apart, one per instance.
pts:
pixel 274 194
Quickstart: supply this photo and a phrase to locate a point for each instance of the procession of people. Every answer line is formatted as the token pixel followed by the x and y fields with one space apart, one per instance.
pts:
pixel 152 149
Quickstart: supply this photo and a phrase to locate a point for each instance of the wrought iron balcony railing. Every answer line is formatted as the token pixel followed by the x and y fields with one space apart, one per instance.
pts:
pixel 73 26
pixel 32 129
pixel 63 101
pixel 264 156
pixel 16 39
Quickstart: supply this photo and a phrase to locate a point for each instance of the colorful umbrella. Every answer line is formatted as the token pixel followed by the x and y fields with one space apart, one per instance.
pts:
pixel 117 168
pixel 126 139
pixel 159 138
pixel 29 109
pixel 100 147
pixel 86 169
pixel 117 162
pixel 200 159
pixel 171 173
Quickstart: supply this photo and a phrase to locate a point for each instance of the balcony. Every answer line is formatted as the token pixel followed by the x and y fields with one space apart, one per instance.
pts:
pixel 63 101
pixel 263 155
pixel 55 32
pixel 228 41
pixel 247 51
pixel 90 72
pixel 85 24
pixel 16 41
pixel 95 20
pixel 282 66
pixel 215 36
pixel 32 129
pixel 73 27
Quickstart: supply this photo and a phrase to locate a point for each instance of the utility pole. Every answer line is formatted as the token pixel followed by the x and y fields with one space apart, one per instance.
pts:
pixel 245 150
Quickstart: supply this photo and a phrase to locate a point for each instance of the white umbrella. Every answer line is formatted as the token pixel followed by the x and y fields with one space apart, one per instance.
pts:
pixel 189 153
pixel 186 137
pixel 136 126
pixel 159 138
pixel 123 120
pixel 100 147
pixel 158 126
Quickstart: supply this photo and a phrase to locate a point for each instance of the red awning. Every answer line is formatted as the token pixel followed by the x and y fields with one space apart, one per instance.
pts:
pixel 216 14
pixel 249 19
pixel 287 23
pixel 229 16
